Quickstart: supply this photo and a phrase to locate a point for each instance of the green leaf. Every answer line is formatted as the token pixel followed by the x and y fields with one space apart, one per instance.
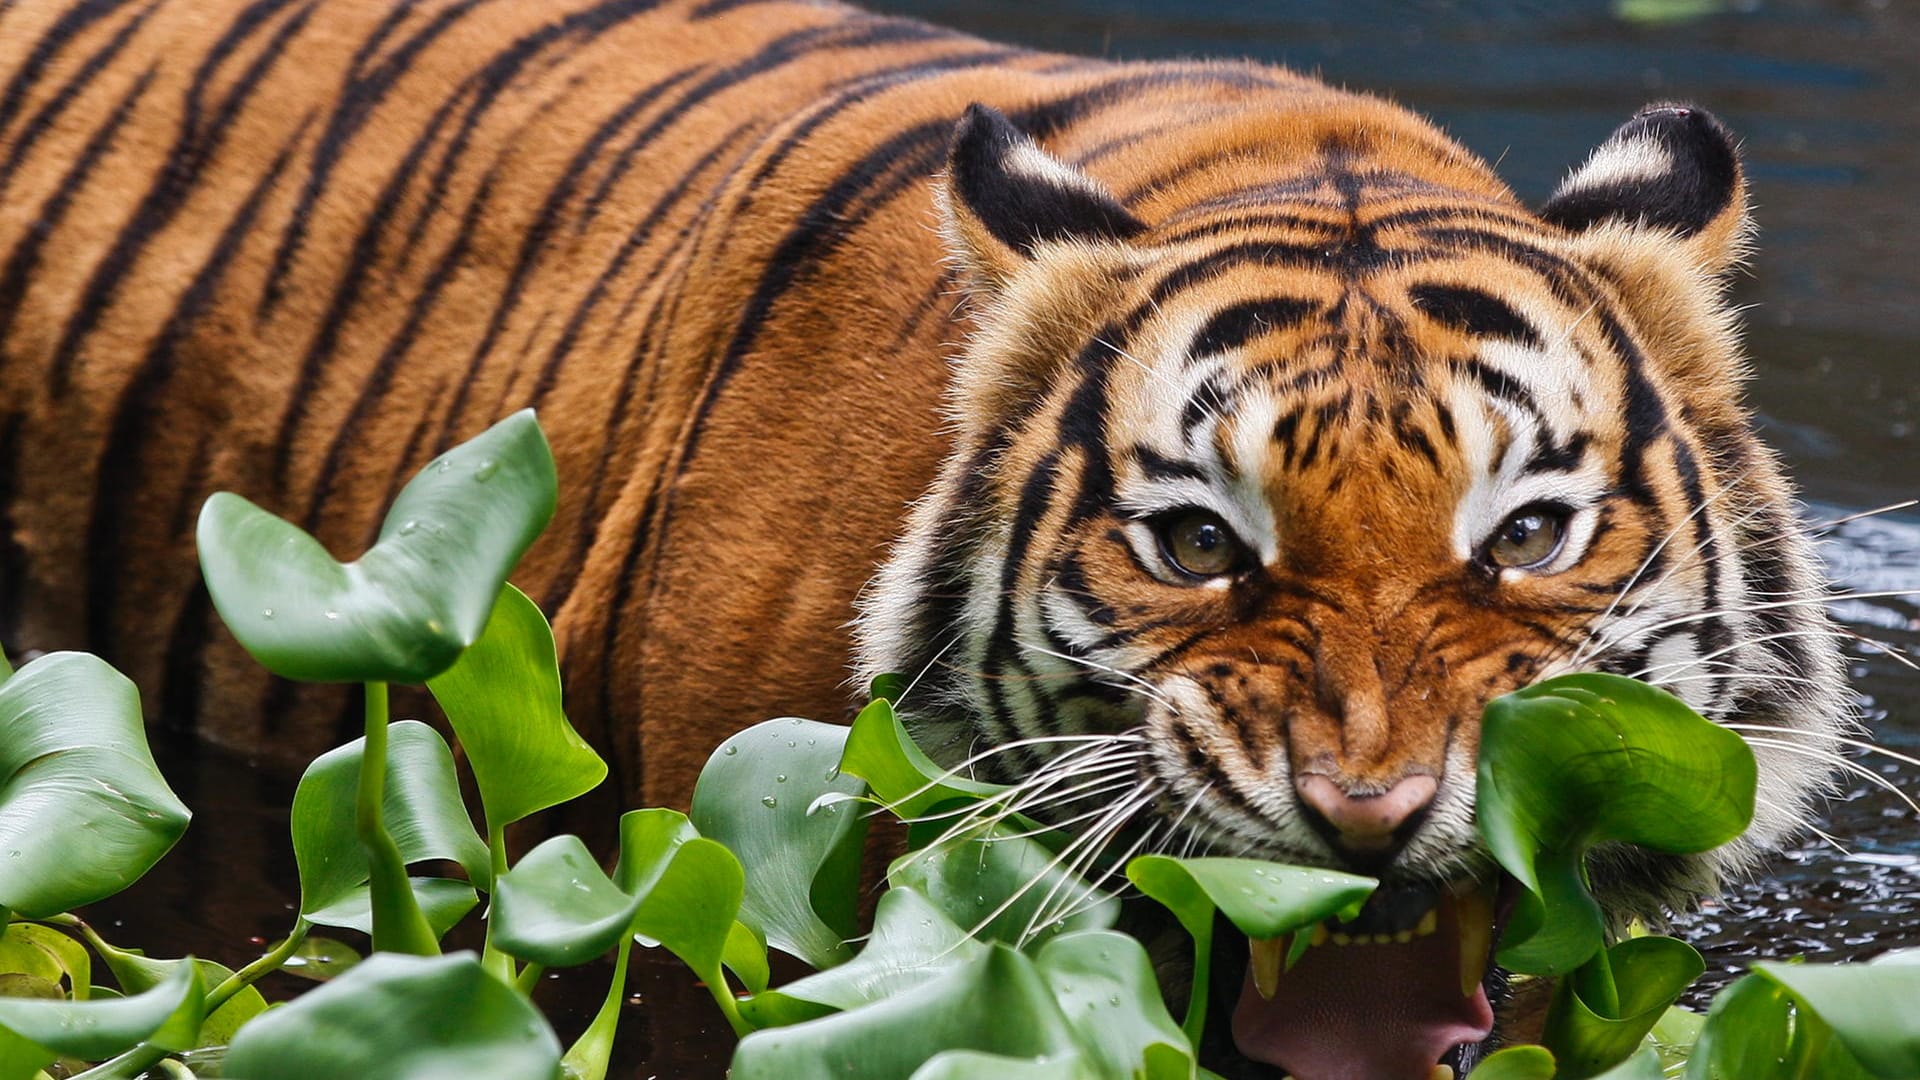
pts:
pixel 1645 1065
pixel 973 1065
pixel 444 901
pixel 756 795
pixel 1106 988
pixel 1001 886
pixel 168 1015
pixel 503 699
pixel 1873 1009
pixel 903 779
pixel 890 686
pixel 746 956
pixel 1516 1063
pixel 404 610
pixel 997 1003
pixel 913 943
pixel 84 811
pixel 401 1017
pixel 138 974
pixel 1261 899
pixel 671 886
pixel 27 949
pixel 321 959
pixel 422 806
pixel 1585 759
pixel 1603 1011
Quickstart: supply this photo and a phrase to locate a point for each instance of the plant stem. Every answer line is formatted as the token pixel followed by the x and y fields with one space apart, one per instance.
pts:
pixel 1195 1022
pixel 587 1059
pixel 398 925
pixel 716 981
pixel 491 958
pixel 529 977
pixel 266 965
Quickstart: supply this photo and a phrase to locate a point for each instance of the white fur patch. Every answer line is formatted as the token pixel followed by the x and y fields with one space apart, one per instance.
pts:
pixel 1626 161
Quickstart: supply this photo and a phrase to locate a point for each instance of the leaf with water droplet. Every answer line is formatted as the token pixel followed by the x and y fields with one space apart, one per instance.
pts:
pixel 405 609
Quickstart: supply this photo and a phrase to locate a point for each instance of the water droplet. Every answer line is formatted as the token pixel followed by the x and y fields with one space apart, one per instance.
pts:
pixel 444 465
pixel 1114 1000
pixel 833 773
pixel 485 470
pixel 796 721
pixel 791 744
pixel 267 613
pixel 333 616
pixel 1246 890
pixel 769 801
pixel 408 528
pixel 779 778
pixel 810 742
pixel 732 750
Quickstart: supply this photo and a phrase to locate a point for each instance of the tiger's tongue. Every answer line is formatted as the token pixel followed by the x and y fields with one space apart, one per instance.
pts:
pixel 1365 1012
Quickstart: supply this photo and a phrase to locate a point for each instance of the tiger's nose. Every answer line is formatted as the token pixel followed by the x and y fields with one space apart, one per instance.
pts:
pixel 1370 828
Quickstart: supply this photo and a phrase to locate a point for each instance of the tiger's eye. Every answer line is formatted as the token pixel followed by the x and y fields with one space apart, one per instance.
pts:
pixel 1528 538
pixel 1198 543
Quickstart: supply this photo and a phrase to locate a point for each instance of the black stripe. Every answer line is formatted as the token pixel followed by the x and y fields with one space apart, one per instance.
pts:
pixel 1237 324
pixel 1157 466
pixel 117 469
pixel 1472 311
pixel 355 104
pixel 203 131
pixel 71 24
pixel 42 121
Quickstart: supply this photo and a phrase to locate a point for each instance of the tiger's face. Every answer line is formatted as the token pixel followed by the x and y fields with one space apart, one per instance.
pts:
pixel 1261 497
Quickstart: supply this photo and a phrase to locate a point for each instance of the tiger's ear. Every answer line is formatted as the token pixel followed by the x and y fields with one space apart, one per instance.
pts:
pixel 1003 197
pixel 1671 167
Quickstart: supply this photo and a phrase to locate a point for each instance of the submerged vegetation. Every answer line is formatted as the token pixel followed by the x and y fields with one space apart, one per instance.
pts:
pixel 992 951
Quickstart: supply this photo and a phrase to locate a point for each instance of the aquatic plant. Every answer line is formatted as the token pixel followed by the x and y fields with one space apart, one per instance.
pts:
pixel 992 950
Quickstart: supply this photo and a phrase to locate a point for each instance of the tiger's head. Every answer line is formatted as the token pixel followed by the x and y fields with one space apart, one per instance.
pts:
pixel 1265 483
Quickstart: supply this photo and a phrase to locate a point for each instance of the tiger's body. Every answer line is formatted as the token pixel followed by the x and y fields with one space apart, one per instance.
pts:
pixel 1263 393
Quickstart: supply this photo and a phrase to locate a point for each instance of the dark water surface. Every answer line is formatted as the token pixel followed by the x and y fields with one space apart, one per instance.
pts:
pixel 1823 92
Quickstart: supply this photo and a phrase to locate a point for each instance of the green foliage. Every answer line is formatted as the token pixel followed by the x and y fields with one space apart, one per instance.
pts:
pixel 403 611
pixel 401 1018
pixel 757 796
pixel 503 699
pixel 991 956
pixel 84 811
pixel 1586 759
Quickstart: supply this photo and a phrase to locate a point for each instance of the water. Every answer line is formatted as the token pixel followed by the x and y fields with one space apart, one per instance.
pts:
pixel 1823 93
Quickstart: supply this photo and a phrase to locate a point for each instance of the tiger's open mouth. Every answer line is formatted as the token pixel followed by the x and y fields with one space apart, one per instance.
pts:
pixel 1396 994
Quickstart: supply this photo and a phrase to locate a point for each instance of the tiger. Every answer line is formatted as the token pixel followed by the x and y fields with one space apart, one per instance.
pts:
pixel 1194 435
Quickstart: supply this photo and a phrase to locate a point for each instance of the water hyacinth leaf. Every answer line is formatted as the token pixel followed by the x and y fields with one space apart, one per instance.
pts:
pixel 1262 899
pixel 45 954
pixel 996 1003
pixel 444 901
pixel 84 811
pixel 1001 886
pixel 168 1015
pixel 1873 1009
pixel 139 974
pixel 503 699
pixel 556 907
pixel 755 796
pixel 904 780
pixel 913 942
pixel 423 809
pixel 690 909
pixel 405 609
pixel 746 956
pixel 973 1065
pixel 401 1017
pixel 1645 1065
pixel 1603 1012
pixel 1517 1063
pixel 320 958
pixel 1105 986
pixel 1585 759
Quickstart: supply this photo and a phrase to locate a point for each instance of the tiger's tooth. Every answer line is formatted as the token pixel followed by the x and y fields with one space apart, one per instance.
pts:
pixel 1264 957
pixel 1428 923
pixel 1474 912
pixel 1441 1072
